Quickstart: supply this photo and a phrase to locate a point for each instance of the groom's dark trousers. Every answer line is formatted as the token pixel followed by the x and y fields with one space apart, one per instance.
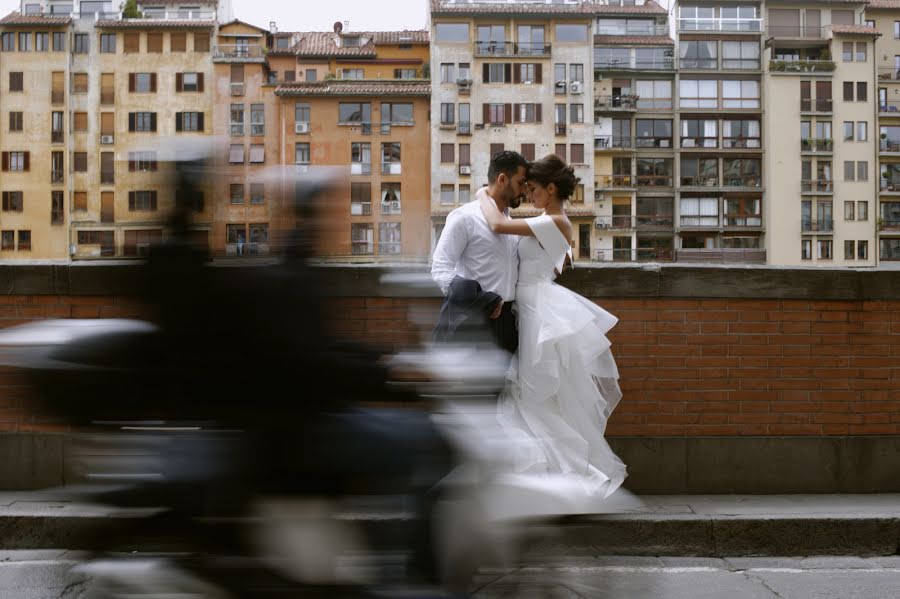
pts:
pixel 465 317
pixel 504 329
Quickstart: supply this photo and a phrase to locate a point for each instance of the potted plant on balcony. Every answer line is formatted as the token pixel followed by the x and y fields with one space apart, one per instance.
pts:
pixel 880 223
pixel 130 11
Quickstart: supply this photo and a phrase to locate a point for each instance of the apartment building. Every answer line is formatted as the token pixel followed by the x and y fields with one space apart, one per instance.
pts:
pixel 91 96
pixel 510 76
pixel 819 129
pixel 634 146
pixel 884 16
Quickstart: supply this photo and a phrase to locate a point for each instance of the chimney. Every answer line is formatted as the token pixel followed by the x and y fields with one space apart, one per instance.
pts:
pixel 338 27
pixel 273 28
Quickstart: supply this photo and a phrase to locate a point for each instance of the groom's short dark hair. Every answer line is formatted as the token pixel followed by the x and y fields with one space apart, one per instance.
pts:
pixel 507 162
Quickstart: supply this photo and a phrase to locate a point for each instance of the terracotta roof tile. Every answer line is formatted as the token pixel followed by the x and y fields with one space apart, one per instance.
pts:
pixel 887 4
pixel 16 18
pixel 155 24
pixel 358 87
pixel 854 30
pixel 636 40
pixel 418 36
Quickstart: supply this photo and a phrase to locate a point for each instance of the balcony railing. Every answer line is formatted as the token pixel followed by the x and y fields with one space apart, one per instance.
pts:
pixel 630 255
pixel 614 181
pixel 634 29
pixel 743 220
pixel 622 102
pixel 701 181
pixel 720 24
pixel 889 145
pixel 888 74
pixel 57 176
pixel 464 128
pixel 360 209
pixel 612 142
pixel 889 185
pixel 797 32
pixel 238 51
pixel 647 141
pixel 511 49
pixel 816 226
pixel 741 142
pixel 801 66
pixel 57 137
pixel 615 222
pixel 888 224
pixel 817 186
pixel 633 64
pixel 742 64
pixel 721 255
pixel 816 145
pixel 699 63
pixel 825 105
pixel 654 181
pixel 699 142
pixel 107 177
pixel 742 181
pixel 194 15
pixel 889 108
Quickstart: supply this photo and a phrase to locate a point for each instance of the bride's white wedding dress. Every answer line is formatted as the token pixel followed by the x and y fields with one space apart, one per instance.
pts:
pixel 562 384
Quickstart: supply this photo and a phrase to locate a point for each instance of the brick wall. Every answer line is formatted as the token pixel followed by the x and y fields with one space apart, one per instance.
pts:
pixel 690 366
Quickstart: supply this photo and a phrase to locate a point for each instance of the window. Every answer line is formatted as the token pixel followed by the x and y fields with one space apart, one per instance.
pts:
pixel 405 74
pixel 42 41
pixel 559 77
pixel 154 42
pixel 862 250
pixel 8 41
pixel 79 122
pixel 742 172
pixel 862 91
pixel 576 113
pixel 79 83
pixel 448 72
pixel 527 73
pixel 142 122
pixel 740 55
pixel 862 211
pixel 847 52
pixel 24 41
pixel 576 152
pixel 82 43
pixel 257 153
pixel 132 42
pixel 142 83
pixel 259 233
pixel 107 88
pixel 257 193
pixel 352 74
pixel 360 199
pixel 79 162
pixel 576 73
pixel 189 121
pixel 362 241
pixel 849 250
pixel 311 75
pixel 302 153
pixel 237 119
pixel 142 201
pixel 464 194
pixel 448 153
pixel 560 150
pixel 235 233
pixel 848 91
pixel 849 210
pixel 237 193
pixel 861 51
pixel 13 201
pixel 465 154
pixel 697 94
pixel 862 131
pixel 740 94
pixel 189 82
pixel 178 41
pixel 497 72
pixel 848 131
pixel 527 152
pixel 201 42
pixel 389 238
pixel 699 212
pixel 137 240
pixel 24 241
pixel 465 72
pixel 496 113
pixel 390 198
pixel 16 161
pixel 571 33
pixel 528 113
pixel 742 212
pixel 448 113
pixel 360 158
pixel 15 121
pixel 653 133
pixel 824 249
pixel 16 81
pixel 390 158
pixel 448 193
pixel 108 43
pixel 107 168
pixel 59 41
pixel 697 133
pixel 862 170
pixel 301 113
pixel 57 208
pixel 142 162
pixel 699 54
pixel 236 154
pixel 354 112
pixel 495 149
pixel 451 32
pixel 257 119
pixel 8 240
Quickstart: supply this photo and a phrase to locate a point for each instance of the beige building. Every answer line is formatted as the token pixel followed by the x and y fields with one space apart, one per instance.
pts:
pixel 884 15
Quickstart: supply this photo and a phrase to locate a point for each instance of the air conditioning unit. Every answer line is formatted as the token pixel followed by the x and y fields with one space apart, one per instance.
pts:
pixel 598 195
pixel 465 169
pixel 395 206
pixel 301 128
pixel 107 139
pixel 576 87
pixel 237 89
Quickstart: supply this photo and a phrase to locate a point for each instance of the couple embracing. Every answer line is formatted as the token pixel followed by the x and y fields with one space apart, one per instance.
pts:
pixel 562 383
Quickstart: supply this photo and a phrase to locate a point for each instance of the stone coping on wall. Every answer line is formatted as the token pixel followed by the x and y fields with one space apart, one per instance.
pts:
pixel 406 280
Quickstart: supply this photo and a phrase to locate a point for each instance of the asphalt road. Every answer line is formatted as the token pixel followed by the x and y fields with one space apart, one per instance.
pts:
pixel 45 575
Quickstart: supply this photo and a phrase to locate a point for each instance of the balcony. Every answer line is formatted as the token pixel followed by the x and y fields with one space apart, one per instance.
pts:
pixel 889 185
pixel 743 221
pixel 745 181
pixel 487 49
pixel 813 145
pixel 888 74
pixel 632 64
pixel 824 106
pixel 648 29
pixel 698 63
pixel 239 53
pixel 699 142
pixel 649 141
pixel 889 108
pixel 614 182
pixel 721 255
pixel 654 181
pixel 701 181
pixel 743 143
pixel 560 128
pixel 615 103
pixel 639 255
pixel 464 86
pixel 798 32
pixel 817 186
pixel 889 224
pixel 180 14
pixel 721 24
pixel 889 146
pixel 612 142
pixel 802 67
pixel 817 226
pixel 616 223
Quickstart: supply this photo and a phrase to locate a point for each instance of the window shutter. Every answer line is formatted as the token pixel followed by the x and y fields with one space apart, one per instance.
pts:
pixel 27 161
pixel 485 111
pixel 507 72
pixel 131 200
pixel 538 73
pixel 178 117
pixel 517 74
pixel 199 82
pixel 508 114
pixel 153 121
pixel 200 121
pixel 486 73
pixel 131 120
pixel 179 82
pixel 537 112
pixel 131 78
pixel 153 82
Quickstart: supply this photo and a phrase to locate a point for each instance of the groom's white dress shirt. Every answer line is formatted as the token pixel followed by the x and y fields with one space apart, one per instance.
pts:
pixel 468 248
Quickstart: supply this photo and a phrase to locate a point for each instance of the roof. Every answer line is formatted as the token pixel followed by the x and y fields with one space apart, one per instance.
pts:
pixel 356 87
pixel 155 24
pixel 324 43
pixel 633 40
pixel 244 23
pixel 649 8
pixel 883 4
pixel 854 30
pixel 16 18
pixel 586 7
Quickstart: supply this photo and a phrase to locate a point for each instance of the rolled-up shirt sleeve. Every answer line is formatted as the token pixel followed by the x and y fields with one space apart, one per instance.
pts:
pixel 449 250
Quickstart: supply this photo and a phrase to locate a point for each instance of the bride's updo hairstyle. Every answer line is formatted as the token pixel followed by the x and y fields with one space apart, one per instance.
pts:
pixel 552 169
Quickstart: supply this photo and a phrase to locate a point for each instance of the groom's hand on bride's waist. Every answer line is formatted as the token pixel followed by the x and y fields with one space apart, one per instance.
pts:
pixel 496 313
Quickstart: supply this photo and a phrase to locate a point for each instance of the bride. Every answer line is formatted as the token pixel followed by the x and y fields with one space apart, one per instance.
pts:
pixel 562 385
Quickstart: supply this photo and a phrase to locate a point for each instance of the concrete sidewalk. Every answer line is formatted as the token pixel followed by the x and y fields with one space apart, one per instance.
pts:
pixel 665 525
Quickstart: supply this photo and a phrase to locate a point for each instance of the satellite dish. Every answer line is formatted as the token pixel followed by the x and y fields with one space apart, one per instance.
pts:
pixel 338 27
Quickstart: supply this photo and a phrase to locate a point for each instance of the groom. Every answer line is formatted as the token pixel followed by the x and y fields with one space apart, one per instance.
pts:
pixel 477 269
